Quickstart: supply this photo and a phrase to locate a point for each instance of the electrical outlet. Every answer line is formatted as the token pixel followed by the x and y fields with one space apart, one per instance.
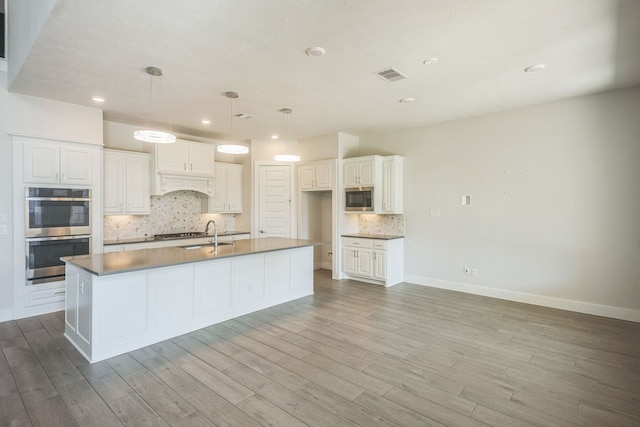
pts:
pixel 474 272
pixel 434 213
pixel 466 270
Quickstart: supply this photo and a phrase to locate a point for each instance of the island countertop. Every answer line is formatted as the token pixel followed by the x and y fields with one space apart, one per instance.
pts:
pixel 127 261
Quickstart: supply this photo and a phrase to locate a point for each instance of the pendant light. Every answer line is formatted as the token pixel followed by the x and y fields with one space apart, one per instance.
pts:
pixel 290 146
pixel 150 135
pixel 232 148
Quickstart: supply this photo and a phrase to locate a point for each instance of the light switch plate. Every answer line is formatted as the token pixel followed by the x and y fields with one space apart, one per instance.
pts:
pixel 3 229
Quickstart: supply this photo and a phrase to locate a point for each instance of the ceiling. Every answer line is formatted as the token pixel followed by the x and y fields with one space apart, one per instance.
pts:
pixel 257 48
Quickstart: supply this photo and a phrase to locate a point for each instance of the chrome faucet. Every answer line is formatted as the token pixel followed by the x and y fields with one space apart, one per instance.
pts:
pixel 215 234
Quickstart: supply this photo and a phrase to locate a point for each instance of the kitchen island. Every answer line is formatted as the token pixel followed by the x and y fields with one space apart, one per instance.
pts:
pixel 121 301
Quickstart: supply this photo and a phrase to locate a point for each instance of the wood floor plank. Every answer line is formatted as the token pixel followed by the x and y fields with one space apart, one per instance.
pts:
pixel 86 406
pixel 266 413
pixel 217 381
pixel 50 412
pixel 13 412
pixel 163 400
pixel 131 410
pixel 351 354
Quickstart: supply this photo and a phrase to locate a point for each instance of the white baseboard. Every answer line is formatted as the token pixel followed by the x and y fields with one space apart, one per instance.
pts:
pixel 563 304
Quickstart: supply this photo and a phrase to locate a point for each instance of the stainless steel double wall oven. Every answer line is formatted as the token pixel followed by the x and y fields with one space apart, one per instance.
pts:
pixel 58 224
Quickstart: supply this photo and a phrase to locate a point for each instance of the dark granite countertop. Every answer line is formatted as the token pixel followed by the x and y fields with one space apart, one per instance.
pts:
pixel 375 236
pixel 143 259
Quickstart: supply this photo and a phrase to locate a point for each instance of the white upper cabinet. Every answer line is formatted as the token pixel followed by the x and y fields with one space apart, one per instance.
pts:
pixel 186 158
pixel 392 188
pixel 54 163
pixel 183 165
pixel 227 197
pixel 362 171
pixel 126 183
pixel 316 175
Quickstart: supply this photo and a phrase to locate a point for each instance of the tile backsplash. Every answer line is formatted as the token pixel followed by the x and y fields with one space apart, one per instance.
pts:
pixel 172 213
pixel 381 224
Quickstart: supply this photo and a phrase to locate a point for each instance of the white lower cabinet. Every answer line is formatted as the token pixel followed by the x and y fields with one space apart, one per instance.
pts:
pixel 109 315
pixel 373 260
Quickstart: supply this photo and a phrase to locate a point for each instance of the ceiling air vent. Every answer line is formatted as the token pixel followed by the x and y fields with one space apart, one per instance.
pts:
pixel 390 75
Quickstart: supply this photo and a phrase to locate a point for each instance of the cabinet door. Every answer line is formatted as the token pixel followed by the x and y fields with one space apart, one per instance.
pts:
pixel 379 265
pixel 365 262
pixel 234 188
pixel 351 174
pixel 349 259
pixel 172 158
pixel 323 176
pixel 201 159
pixel 113 198
pixel 213 286
pixel 137 185
pixel 367 173
pixel 75 165
pixel 277 269
pixel 388 204
pixel 248 278
pixel 305 177
pixel 41 162
pixel 84 306
pixel 218 202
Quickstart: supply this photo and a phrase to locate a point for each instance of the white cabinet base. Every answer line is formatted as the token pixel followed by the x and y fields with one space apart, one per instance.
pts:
pixel 376 261
pixel 109 315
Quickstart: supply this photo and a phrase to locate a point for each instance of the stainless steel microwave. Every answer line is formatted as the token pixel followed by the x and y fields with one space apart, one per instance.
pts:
pixel 358 199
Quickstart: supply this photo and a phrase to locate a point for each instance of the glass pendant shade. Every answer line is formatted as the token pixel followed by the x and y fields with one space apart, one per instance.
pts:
pixel 149 135
pixel 154 136
pixel 233 149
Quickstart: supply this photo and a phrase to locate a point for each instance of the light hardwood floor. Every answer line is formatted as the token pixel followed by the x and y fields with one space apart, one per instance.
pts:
pixel 352 354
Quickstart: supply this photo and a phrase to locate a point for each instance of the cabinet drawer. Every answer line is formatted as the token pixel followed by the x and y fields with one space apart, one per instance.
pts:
pixel 44 294
pixel 356 242
pixel 380 244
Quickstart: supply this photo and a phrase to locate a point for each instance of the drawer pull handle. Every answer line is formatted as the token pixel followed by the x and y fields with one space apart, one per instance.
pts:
pixel 60 293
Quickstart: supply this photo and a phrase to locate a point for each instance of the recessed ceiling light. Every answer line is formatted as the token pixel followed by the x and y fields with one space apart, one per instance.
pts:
pixel 406 100
pixel 430 61
pixel 97 98
pixel 535 68
pixel 315 51
pixel 274 137
pixel 205 121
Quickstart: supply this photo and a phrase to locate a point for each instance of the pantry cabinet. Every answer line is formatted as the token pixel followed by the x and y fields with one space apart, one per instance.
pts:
pixel 227 196
pixel 316 176
pixel 55 163
pixel 378 261
pixel 126 183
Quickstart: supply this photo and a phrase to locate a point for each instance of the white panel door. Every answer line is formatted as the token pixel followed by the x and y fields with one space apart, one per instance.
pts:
pixel 274 201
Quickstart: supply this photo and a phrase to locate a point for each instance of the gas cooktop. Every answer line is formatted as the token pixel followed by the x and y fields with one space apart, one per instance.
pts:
pixel 182 235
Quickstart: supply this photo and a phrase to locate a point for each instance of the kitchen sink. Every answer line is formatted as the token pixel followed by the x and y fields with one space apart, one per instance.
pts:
pixel 207 245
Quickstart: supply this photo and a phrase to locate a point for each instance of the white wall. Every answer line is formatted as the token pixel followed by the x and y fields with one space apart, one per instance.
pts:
pixel 555 214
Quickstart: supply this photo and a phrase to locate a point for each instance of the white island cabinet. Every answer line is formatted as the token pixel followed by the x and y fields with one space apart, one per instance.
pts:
pixel 119 302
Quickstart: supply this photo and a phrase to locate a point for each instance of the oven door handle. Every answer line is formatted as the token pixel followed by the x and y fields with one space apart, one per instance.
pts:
pixel 60 199
pixel 45 239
